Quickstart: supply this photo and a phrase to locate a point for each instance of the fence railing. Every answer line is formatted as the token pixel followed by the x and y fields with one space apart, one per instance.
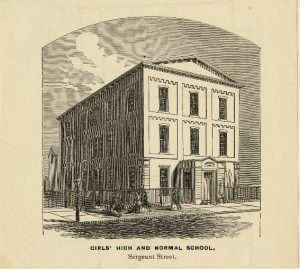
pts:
pixel 90 199
pixel 156 197
pixel 242 193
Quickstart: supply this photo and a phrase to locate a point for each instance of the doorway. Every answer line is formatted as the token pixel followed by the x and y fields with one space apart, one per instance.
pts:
pixel 187 190
pixel 209 188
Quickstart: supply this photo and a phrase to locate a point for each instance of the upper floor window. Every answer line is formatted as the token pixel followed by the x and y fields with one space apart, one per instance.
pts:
pixel 100 145
pixel 91 180
pixel 69 153
pixel 163 99
pixel 109 109
pixel 223 143
pixel 95 147
pixel 194 141
pixel 68 128
pixel 222 108
pixel 84 146
pixel 130 102
pixel 194 104
pixel 131 138
pixel 109 142
pixel 164 138
pixel 83 121
pixel 94 117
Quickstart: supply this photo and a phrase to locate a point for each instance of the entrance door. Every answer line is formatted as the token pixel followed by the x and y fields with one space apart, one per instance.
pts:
pixel 187 186
pixel 187 178
pixel 209 188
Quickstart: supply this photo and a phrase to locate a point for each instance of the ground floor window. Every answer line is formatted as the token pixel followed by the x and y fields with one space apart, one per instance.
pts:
pixel 131 177
pixel 164 171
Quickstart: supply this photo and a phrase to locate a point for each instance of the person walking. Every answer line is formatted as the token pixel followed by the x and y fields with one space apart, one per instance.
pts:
pixel 178 204
pixel 138 203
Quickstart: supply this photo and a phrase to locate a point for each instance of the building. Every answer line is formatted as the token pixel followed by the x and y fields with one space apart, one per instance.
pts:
pixel 172 123
pixel 53 171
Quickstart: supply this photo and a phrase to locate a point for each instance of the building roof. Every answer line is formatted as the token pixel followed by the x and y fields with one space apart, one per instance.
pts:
pixel 225 80
pixel 197 60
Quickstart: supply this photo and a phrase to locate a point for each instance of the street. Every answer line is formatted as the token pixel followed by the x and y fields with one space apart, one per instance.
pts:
pixel 176 226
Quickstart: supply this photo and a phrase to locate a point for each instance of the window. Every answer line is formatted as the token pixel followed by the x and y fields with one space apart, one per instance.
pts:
pixel 109 109
pixel 194 141
pixel 163 177
pixel 68 128
pixel 223 143
pixel 142 183
pixel 130 102
pixel 194 104
pixel 96 180
pixel 83 121
pixel 94 117
pixel 68 153
pixel 91 182
pixel 163 99
pixel 95 148
pixel 100 146
pixel 100 177
pixel 84 145
pixel 109 142
pixel 69 180
pixel 108 178
pixel 131 177
pixel 84 179
pixel 131 138
pixel 164 138
pixel 222 108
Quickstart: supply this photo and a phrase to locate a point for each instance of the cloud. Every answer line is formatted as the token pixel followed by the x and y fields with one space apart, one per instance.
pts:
pixel 98 68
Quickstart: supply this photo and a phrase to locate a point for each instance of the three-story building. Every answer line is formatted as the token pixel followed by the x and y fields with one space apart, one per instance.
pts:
pixel 172 123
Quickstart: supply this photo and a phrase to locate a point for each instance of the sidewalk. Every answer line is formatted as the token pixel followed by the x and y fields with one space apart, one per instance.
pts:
pixel 53 216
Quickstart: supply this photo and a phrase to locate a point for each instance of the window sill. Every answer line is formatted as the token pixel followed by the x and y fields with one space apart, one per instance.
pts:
pixel 195 116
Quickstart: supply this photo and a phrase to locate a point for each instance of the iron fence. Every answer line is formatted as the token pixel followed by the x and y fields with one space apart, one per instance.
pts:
pixel 160 197
pixel 242 193
pixel 91 199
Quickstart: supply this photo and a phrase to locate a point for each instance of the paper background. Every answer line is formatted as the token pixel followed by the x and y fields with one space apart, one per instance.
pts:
pixel 27 26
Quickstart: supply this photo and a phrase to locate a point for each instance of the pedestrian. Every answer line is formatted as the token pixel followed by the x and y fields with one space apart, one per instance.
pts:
pixel 138 203
pixel 178 204
pixel 112 203
pixel 175 199
pixel 145 203
pixel 119 205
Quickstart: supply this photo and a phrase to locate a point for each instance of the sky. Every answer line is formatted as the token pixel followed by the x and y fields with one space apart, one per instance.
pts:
pixel 83 61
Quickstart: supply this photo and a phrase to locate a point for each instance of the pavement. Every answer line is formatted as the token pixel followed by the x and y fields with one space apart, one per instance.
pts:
pixel 61 215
